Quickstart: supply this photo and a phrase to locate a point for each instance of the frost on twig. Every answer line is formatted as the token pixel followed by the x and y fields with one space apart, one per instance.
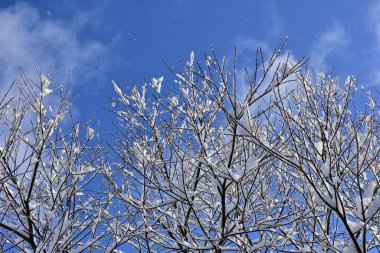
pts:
pixel 45 173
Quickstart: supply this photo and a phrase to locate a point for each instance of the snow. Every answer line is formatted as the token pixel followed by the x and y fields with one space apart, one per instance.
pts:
pixel 76 150
pixel 238 174
pixel 44 85
pixel 319 147
pixel 50 123
pixel 181 78
pixel 138 154
pixel 117 89
pixel 90 133
pixel 252 187
pixel 174 101
pixel 44 81
pixel 191 63
pixel 156 83
pixel 33 160
pixel 324 199
pixel 76 130
pixel 86 169
pixel 208 61
pixel 46 92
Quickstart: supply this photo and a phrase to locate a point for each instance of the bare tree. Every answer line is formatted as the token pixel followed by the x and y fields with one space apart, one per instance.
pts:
pixel 46 201
pixel 330 155
pixel 278 161
pixel 189 167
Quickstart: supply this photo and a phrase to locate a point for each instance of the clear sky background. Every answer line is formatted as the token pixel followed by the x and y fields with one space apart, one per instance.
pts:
pixel 97 41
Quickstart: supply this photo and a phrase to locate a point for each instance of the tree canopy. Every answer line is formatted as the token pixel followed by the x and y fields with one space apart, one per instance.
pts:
pixel 268 158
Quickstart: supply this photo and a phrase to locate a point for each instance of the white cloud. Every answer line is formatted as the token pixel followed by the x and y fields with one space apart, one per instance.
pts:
pixel 27 38
pixel 328 42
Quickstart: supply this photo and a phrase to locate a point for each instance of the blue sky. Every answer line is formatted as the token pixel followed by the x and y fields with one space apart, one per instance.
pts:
pixel 97 41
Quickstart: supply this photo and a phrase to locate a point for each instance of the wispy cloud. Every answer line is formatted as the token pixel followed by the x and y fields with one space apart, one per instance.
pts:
pixel 27 38
pixel 328 42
